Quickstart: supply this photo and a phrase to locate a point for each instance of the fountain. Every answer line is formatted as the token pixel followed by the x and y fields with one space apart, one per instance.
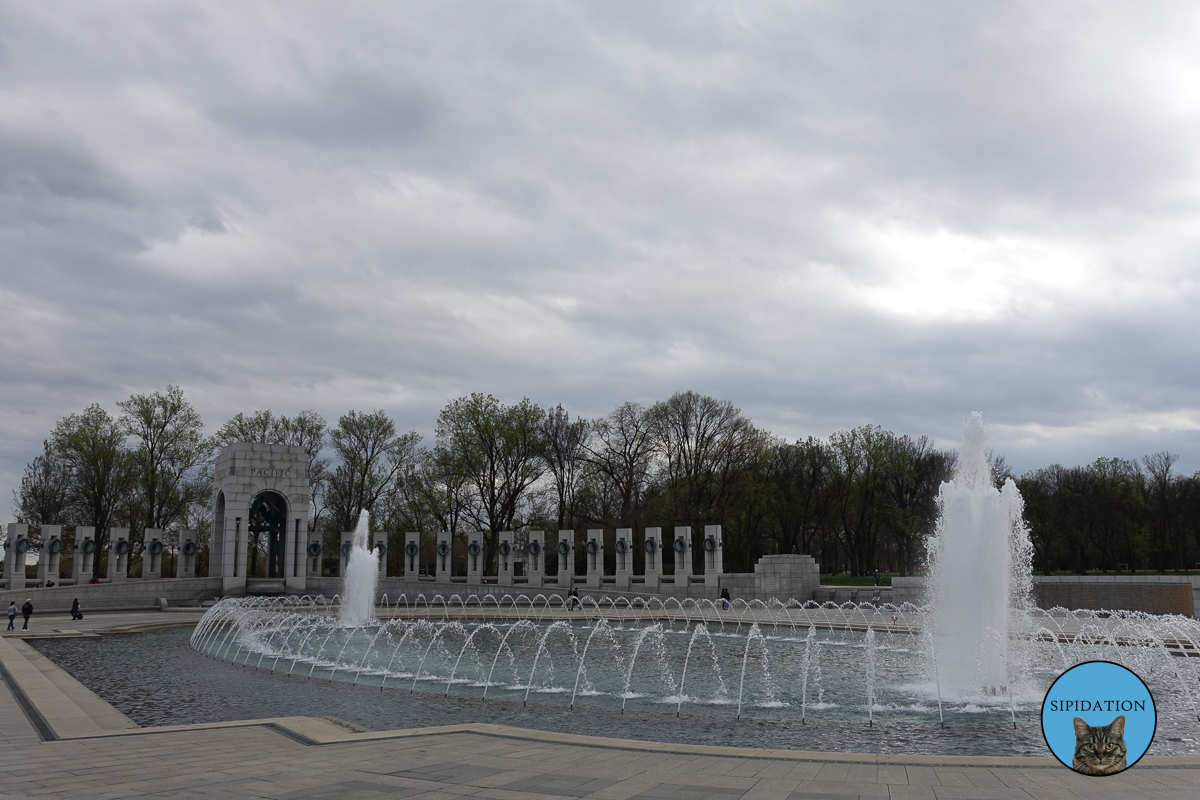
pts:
pixel 979 652
pixel 980 574
pixel 362 572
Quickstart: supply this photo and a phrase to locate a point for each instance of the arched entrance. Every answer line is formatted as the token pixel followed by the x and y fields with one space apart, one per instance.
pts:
pixel 268 519
pixel 260 517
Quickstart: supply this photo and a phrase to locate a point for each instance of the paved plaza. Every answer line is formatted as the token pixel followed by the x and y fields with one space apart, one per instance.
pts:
pixel 58 739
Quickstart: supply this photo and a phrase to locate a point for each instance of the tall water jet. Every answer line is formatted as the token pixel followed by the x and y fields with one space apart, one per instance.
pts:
pixel 362 572
pixel 980 573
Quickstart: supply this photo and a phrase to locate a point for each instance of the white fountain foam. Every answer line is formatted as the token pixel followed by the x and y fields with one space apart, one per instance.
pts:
pixel 980 567
pixel 362 572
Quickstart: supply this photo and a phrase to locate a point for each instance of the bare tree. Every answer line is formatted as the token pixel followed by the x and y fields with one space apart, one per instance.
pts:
pixel 45 494
pixel 565 450
pixel 1162 497
pixel 621 453
pixel 706 444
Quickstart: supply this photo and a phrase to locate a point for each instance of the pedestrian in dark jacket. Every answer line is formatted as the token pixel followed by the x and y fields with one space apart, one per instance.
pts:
pixel 12 614
pixel 75 609
pixel 27 612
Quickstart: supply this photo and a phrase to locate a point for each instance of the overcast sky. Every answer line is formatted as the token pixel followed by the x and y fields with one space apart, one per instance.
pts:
pixel 830 214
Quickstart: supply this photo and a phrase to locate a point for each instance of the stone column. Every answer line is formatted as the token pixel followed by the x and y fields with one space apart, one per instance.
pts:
pixel 49 557
pixel 443 565
pixel 682 545
pixel 84 559
pixel 412 557
pixel 296 554
pixel 185 567
pixel 566 561
pixel 714 562
pixel 623 546
pixel 379 542
pixel 216 539
pixel 595 558
pixel 152 554
pixel 535 558
pixel 504 559
pixel 474 557
pixel 653 548
pixel 241 552
pixel 118 554
pixel 15 548
pixel 347 544
pixel 313 553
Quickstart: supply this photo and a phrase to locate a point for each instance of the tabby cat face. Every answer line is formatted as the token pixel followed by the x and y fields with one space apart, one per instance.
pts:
pixel 1099 750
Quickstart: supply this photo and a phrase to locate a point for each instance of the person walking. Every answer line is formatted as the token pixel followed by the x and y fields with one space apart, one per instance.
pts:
pixel 75 609
pixel 725 597
pixel 27 612
pixel 12 614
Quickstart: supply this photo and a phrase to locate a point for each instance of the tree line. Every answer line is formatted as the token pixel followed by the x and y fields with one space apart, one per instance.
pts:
pixel 860 500
pixel 1114 515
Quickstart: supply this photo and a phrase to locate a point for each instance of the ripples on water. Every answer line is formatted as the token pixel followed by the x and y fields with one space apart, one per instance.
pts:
pixel 158 679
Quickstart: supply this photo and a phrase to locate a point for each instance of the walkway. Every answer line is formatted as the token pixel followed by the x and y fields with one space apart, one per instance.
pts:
pixel 57 739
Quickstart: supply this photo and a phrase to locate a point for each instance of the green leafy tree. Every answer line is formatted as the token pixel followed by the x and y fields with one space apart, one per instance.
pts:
pixel 371 455
pixel 169 450
pixel 797 478
pixel 431 496
pixel 859 492
pixel 1040 489
pixel 260 427
pixel 913 471
pixel 500 451
pixel 104 474
pixel 1117 513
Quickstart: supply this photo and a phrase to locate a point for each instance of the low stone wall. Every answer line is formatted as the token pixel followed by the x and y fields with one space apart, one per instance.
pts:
pixel 784 577
pixel 127 595
pixel 1159 598
pixel 1160 594
pixel 394 587
pixel 908 590
pixel 876 595
pixel 787 577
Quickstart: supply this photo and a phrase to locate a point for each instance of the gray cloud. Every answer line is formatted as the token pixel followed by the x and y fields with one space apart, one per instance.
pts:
pixel 350 109
pixel 829 214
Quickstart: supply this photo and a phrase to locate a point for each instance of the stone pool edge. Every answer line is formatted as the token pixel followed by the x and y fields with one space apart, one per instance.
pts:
pixel 61 708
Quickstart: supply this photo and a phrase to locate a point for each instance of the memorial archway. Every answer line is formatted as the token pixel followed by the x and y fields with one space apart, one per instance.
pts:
pixel 260 497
